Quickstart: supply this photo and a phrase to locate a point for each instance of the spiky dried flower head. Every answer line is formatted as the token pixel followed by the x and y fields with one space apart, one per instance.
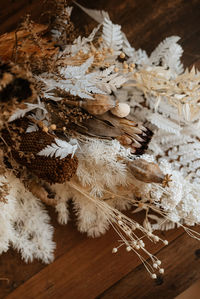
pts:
pixel 128 132
pixel 167 179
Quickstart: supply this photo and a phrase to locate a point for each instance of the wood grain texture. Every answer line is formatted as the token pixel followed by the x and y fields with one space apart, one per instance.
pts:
pixel 181 270
pixel 86 268
pixel 83 267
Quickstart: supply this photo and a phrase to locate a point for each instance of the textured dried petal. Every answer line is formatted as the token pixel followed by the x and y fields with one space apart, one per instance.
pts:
pixel 147 172
pixel 100 105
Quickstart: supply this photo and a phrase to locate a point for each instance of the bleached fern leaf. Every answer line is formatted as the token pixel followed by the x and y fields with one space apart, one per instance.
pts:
pixel 112 35
pixel 80 43
pixel 127 49
pixel 19 113
pixel 138 57
pixel 164 124
pixel 97 15
pixel 32 128
pixel 172 58
pixel 38 115
pixel 60 149
pixel 71 71
pixel 108 82
pixel 78 82
pixel 168 53
pixel 75 80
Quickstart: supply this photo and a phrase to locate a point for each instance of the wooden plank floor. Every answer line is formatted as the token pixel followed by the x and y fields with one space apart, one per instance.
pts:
pixel 86 268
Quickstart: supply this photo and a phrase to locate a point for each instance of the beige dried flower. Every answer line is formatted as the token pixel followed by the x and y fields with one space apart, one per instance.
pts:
pixel 147 172
pixel 100 105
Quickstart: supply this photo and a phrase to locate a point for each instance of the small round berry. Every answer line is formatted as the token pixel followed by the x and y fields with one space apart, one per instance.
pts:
pixel 158 262
pixel 155 266
pixel 165 242
pixel 45 129
pixel 137 225
pixel 161 271
pixel 53 127
pixel 156 239
pixel 128 248
pixel 125 66
pixel 114 250
pixel 122 55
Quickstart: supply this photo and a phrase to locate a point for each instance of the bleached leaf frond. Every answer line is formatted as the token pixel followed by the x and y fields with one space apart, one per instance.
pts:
pixel 78 82
pixel 19 113
pixel 32 128
pixel 164 124
pixel 38 115
pixel 69 10
pixel 75 80
pixel 97 15
pixel 168 53
pixel 80 43
pixel 112 35
pixel 162 49
pixel 138 57
pixel 60 149
pixel 108 81
pixel 77 71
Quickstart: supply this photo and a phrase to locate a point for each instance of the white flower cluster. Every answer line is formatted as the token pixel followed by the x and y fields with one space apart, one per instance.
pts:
pixel 179 201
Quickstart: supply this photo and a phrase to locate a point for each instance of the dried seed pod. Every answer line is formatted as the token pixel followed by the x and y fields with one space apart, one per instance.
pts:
pixel 147 172
pixel 124 140
pixel 100 105
pixel 121 110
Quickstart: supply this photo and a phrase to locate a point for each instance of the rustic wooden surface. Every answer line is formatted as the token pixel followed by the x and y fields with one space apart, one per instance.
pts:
pixel 86 268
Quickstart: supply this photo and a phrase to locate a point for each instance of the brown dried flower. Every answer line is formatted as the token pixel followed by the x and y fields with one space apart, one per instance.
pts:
pixel 25 150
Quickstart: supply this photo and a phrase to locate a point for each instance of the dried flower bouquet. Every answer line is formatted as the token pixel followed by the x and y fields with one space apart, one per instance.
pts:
pixel 92 120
